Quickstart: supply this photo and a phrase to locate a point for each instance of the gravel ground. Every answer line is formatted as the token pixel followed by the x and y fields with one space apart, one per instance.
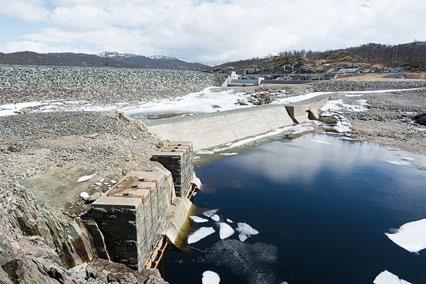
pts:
pixel 389 119
pixel 347 85
pixel 98 85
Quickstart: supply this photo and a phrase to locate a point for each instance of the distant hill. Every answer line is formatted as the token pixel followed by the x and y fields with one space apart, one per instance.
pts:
pixel 106 59
pixel 373 57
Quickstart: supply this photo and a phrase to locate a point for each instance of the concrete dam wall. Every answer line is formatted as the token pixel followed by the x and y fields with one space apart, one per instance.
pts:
pixel 213 129
pixel 209 130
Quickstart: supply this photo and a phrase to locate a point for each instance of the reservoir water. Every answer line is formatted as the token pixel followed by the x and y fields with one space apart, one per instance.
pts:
pixel 322 207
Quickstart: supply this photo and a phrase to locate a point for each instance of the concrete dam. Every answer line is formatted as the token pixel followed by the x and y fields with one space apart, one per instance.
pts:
pixel 133 222
pixel 214 129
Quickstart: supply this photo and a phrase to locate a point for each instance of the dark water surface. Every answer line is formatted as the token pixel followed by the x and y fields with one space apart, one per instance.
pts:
pixel 321 210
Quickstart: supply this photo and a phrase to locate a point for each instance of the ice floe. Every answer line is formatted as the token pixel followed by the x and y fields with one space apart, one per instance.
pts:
pixel 242 237
pixel 399 163
pixel 246 229
pixel 200 234
pixel 197 219
pixel 228 154
pixel 225 231
pixel 320 141
pixel 410 236
pixel 210 277
pixel 215 217
pixel 386 277
pixel 210 213
pixel 229 221
pixel 86 178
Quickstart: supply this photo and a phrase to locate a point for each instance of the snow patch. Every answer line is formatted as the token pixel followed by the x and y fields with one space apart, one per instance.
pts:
pixel 225 230
pixel 210 277
pixel 86 178
pixel 386 277
pixel 200 234
pixel 410 236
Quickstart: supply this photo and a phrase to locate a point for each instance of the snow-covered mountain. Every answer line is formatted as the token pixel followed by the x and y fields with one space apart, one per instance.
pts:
pixel 105 59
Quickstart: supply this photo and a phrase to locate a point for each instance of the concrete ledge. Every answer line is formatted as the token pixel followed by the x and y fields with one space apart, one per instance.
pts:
pixel 305 110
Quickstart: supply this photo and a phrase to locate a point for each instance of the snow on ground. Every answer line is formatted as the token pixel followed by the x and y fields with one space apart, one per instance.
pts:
pixel 410 236
pixel 225 231
pixel 337 108
pixel 200 234
pixel 86 178
pixel 197 219
pixel 209 100
pixel 386 277
pixel 210 277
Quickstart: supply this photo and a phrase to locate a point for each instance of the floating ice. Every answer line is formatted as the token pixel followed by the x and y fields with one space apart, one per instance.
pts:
pixel 84 195
pixel 386 277
pixel 242 237
pixel 197 219
pixel 86 178
pixel 196 181
pixel 200 234
pixel 205 152
pixel 410 236
pixel 399 163
pixel 229 221
pixel 225 231
pixel 215 217
pixel 228 154
pixel 320 141
pixel 210 277
pixel 246 229
pixel 210 213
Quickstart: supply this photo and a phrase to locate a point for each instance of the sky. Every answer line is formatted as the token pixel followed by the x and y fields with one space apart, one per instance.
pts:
pixel 206 31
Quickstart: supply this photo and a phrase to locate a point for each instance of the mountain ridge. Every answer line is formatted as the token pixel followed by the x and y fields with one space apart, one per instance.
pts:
pixel 105 59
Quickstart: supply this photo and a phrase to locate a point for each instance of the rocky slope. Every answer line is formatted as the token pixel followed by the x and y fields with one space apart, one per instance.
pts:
pixel 42 156
pixel 101 85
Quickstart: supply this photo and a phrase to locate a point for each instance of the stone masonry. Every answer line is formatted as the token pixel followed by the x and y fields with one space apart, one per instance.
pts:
pixel 131 215
pixel 177 158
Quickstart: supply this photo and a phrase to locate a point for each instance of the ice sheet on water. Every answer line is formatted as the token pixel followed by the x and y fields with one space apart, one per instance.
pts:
pixel 86 178
pixel 386 277
pixel 246 229
pixel 197 219
pixel 253 262
pixel 410 236
pixel 210 213
pixel 200 234
pixel 225 231
pixel 242 237
pixel 215 217
pixel 210 277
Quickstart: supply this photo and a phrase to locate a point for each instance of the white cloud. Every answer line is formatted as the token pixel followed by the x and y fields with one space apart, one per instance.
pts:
pixel 217 31
pixel 29 10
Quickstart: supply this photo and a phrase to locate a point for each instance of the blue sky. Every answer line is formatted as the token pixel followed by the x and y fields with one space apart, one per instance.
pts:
pixel 206 31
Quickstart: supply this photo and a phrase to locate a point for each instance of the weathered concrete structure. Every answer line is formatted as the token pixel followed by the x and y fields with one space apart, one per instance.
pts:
pixel 214 129
pixel 131 215
pixel 177 158
pixel 305 110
